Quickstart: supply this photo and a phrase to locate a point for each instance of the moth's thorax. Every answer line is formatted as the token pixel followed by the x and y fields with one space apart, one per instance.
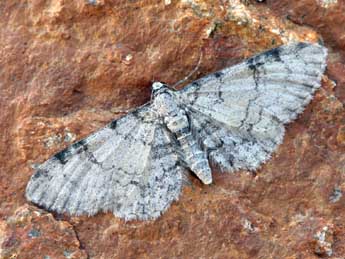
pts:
pixel 167 108
pixel 164 103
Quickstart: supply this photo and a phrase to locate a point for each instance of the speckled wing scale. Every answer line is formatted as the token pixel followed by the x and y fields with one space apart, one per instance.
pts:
pixel 233 119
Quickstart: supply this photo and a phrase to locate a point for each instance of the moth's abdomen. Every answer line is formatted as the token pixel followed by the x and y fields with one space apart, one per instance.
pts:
pixel 195 157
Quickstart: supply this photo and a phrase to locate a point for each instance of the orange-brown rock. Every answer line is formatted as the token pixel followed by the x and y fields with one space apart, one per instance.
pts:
pixel 68 67
pixel 32 233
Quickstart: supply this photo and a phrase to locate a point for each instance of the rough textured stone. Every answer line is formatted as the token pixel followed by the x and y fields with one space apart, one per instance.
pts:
pixel 325 16
pixel 32 233
pixel 68 67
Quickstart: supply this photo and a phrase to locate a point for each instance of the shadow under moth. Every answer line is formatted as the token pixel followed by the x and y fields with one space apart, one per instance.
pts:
pixel 232 119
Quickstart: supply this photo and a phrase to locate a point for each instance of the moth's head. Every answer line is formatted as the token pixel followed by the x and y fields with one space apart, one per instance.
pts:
pixel 158 87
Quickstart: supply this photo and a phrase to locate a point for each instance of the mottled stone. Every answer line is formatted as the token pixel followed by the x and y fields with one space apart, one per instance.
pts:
pixel 324 241
pixel 69 67
pixel 341 135
pixel 33 233
pixel 325 16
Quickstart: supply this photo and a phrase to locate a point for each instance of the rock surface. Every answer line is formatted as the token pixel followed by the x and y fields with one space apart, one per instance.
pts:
pixel 68 67
pixel 33 233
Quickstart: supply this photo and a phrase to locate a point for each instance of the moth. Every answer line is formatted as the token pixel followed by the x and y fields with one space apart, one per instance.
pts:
pixel 232 119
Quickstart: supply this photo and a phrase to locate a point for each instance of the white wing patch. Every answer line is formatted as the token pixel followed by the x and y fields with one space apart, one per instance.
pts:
pixel 234 118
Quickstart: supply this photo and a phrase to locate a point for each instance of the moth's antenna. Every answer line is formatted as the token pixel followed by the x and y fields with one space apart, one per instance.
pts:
pixel 189 75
